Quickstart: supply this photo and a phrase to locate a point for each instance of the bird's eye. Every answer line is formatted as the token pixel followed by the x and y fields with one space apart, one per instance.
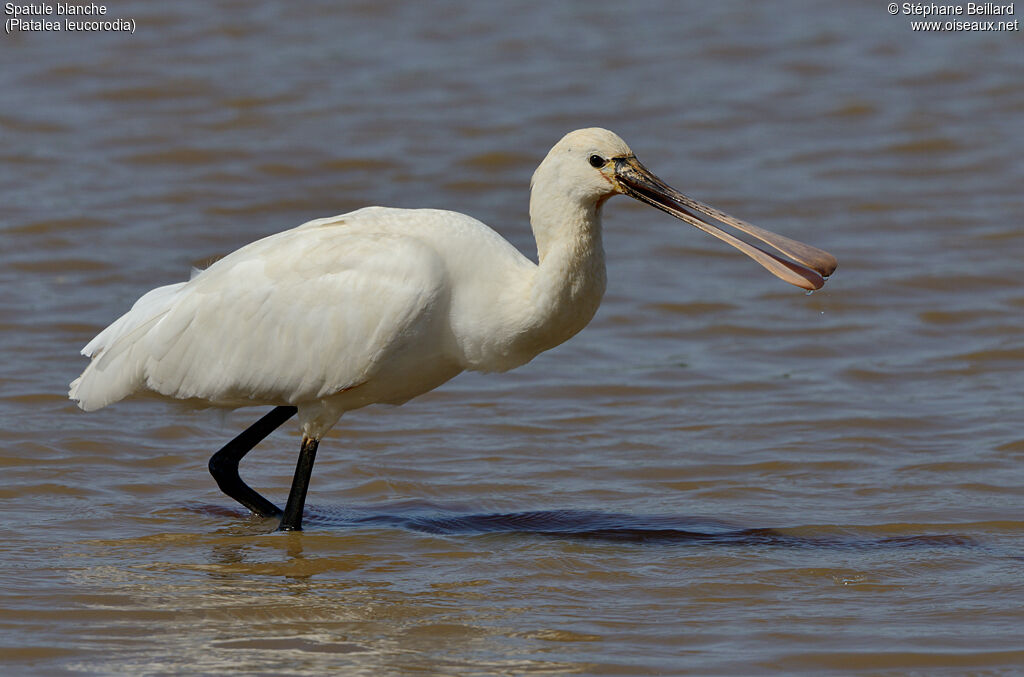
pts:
pixel 597 161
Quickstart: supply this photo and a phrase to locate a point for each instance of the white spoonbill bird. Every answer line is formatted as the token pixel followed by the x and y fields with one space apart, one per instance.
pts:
pixel 381 305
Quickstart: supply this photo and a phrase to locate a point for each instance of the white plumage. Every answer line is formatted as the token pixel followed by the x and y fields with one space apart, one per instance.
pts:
pixel 381 305
pixel 324 313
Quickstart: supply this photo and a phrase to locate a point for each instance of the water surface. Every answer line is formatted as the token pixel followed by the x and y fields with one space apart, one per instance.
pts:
pixel 720 475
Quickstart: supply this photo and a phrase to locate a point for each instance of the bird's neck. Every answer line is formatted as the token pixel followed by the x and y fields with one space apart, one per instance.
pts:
pixel 570 277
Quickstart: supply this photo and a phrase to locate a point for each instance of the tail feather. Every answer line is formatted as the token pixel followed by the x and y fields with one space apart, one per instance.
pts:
pixel 116 369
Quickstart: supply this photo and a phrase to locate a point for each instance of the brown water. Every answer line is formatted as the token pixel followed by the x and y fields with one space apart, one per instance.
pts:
pixel 719 475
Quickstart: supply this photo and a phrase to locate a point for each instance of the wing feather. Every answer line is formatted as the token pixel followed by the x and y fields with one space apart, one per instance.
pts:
pixel 292 317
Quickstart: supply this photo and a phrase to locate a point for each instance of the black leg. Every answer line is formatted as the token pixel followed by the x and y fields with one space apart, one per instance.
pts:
pixel 292 519
pixel 224 464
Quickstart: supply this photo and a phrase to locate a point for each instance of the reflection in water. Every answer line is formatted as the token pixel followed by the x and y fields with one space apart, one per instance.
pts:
pixel 592 525
pixel 351 593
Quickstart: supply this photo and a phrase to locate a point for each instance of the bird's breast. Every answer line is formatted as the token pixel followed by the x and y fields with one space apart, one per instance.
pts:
pixel 516 319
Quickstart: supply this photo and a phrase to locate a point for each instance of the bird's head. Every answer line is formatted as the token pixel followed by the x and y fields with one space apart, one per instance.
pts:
pixel 591 165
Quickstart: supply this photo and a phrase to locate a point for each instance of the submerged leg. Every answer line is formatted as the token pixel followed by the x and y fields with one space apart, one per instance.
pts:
pixel 224 464
pixel 292 519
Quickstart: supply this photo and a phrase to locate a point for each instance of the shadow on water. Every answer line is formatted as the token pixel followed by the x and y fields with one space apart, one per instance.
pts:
pixel 608 526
